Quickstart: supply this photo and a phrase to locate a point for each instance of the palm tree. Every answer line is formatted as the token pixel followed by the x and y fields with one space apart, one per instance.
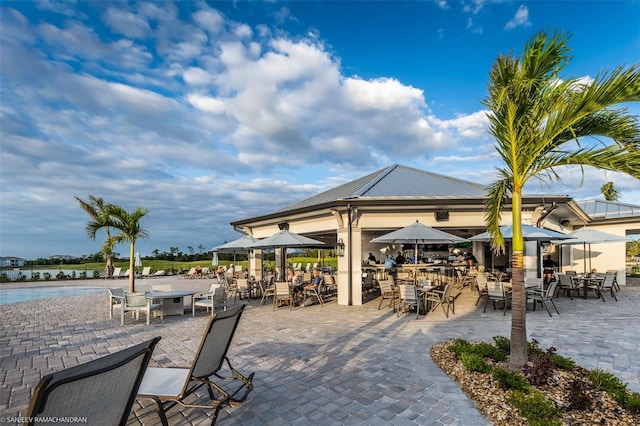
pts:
pixel 130 231
pixel 97 209
pixel 610 192
pixel 541 122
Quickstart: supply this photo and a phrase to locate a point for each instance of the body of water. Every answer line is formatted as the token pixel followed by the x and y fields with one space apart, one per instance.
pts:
pixel 33 293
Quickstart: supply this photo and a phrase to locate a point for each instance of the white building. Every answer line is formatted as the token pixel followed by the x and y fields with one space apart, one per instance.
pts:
pixel 351 215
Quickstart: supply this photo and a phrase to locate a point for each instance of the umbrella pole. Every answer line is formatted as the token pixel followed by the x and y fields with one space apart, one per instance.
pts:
pixel 415 264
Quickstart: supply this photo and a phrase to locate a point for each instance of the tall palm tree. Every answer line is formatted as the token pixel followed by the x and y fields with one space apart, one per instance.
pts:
pixel 610 192
pixel 541 122
pixel 130 231
pixel 97 209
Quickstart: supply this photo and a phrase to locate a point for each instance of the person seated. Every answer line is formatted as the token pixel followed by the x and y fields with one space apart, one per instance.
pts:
pixel 548 266
pixel 294 282
pixel 372 259
pixel 232 270
pixel 197 273
pixel 400 259
pixel 316 280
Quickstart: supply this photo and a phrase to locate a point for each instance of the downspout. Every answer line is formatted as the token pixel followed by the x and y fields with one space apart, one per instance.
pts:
pixel 544 215
pixel 349 256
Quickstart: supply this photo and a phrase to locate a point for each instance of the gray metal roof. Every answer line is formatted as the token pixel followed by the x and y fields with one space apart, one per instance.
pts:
pixel 396 182
pixel 598 209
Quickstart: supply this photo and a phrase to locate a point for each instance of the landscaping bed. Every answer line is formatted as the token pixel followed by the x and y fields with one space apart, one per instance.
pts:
pixel 561 393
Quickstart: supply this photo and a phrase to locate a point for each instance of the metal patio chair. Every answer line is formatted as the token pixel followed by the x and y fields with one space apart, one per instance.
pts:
pixel 168 387
pixel 102 390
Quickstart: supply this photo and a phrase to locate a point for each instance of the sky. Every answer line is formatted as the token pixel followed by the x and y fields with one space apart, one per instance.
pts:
pixel 210 112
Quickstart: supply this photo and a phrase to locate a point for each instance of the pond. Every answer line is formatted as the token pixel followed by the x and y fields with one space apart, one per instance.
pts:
pixel 14 295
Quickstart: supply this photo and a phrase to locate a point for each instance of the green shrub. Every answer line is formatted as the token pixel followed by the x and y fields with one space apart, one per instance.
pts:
pixel 474 362
pixel 511 380
pixel 534 407
pixel 616 388
pixel 488 350
pixel 96 274
pixel 563 362
pixel 503 343
pixel 35 276
pixel 47 276
pixel 460 346
pixel 633 402
pixel 609 383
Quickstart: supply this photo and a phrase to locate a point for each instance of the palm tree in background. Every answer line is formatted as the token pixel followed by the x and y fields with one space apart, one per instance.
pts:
pixel 541 122
pixel 610 192
pixel 97 209
pixel 130 231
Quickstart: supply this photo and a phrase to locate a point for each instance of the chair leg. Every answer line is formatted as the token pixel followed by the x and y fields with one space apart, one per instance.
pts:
pixel 547 308
pixel 486 302
pixel 554 306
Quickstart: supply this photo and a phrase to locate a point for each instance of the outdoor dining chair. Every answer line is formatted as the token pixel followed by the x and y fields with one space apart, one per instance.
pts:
pixel 544 296
pixel 116 298
pixel 282 293
pixel 567 285
pixel 102 390
pixel 216 296
pixel 168 387
pixel 137 302
pixel 408 298
pixel 388 292
pixel 606 285
pixel 497 294
pixel 441 298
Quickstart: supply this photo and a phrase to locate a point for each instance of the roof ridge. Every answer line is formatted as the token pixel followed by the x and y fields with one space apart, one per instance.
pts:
pixel 373 182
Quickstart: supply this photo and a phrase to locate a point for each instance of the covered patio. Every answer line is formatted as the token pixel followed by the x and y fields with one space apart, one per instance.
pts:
pixel 349 216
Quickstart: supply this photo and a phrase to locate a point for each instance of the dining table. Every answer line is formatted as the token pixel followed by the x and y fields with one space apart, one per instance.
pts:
pixel 172 301
pixel 586 280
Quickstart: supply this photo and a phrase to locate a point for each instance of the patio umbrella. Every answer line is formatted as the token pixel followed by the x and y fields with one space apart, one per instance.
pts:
pixel 241 245
pixel 417 233
pixel 284 240
pixel 588 236
pixel 137 261
pixel 529 233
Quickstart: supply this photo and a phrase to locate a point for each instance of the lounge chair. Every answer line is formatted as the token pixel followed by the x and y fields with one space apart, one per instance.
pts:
pixel 159 273
pixel 102 391
pixel 116 272
pixel 146 271
pixel 167 387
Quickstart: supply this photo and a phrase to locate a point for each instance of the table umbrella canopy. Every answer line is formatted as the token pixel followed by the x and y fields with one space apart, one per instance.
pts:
pixel 417 233
pixel 284 238
pixel 241 245
pixel 590 236
pixel 529 233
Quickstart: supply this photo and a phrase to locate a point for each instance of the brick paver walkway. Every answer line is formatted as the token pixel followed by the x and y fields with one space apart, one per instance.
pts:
pixel 332 365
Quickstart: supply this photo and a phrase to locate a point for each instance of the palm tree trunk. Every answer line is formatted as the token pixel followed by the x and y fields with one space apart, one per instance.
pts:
pixel 132 272
pixel 518 356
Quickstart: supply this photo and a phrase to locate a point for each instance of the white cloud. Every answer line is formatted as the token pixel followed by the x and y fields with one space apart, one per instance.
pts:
pixel 521 19
pixel 127 23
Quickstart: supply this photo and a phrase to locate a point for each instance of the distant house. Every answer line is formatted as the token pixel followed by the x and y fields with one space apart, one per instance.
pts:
pixel 14 262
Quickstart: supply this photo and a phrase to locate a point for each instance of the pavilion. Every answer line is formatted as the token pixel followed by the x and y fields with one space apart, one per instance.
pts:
pixel 349 216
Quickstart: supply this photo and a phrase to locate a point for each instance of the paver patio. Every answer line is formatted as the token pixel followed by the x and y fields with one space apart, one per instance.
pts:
pixel 332 365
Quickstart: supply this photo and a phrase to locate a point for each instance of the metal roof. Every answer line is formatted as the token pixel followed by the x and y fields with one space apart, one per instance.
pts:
pixel 598 209
pixel 396 182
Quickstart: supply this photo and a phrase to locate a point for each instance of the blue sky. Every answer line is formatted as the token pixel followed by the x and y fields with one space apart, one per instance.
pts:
pixel 206 113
